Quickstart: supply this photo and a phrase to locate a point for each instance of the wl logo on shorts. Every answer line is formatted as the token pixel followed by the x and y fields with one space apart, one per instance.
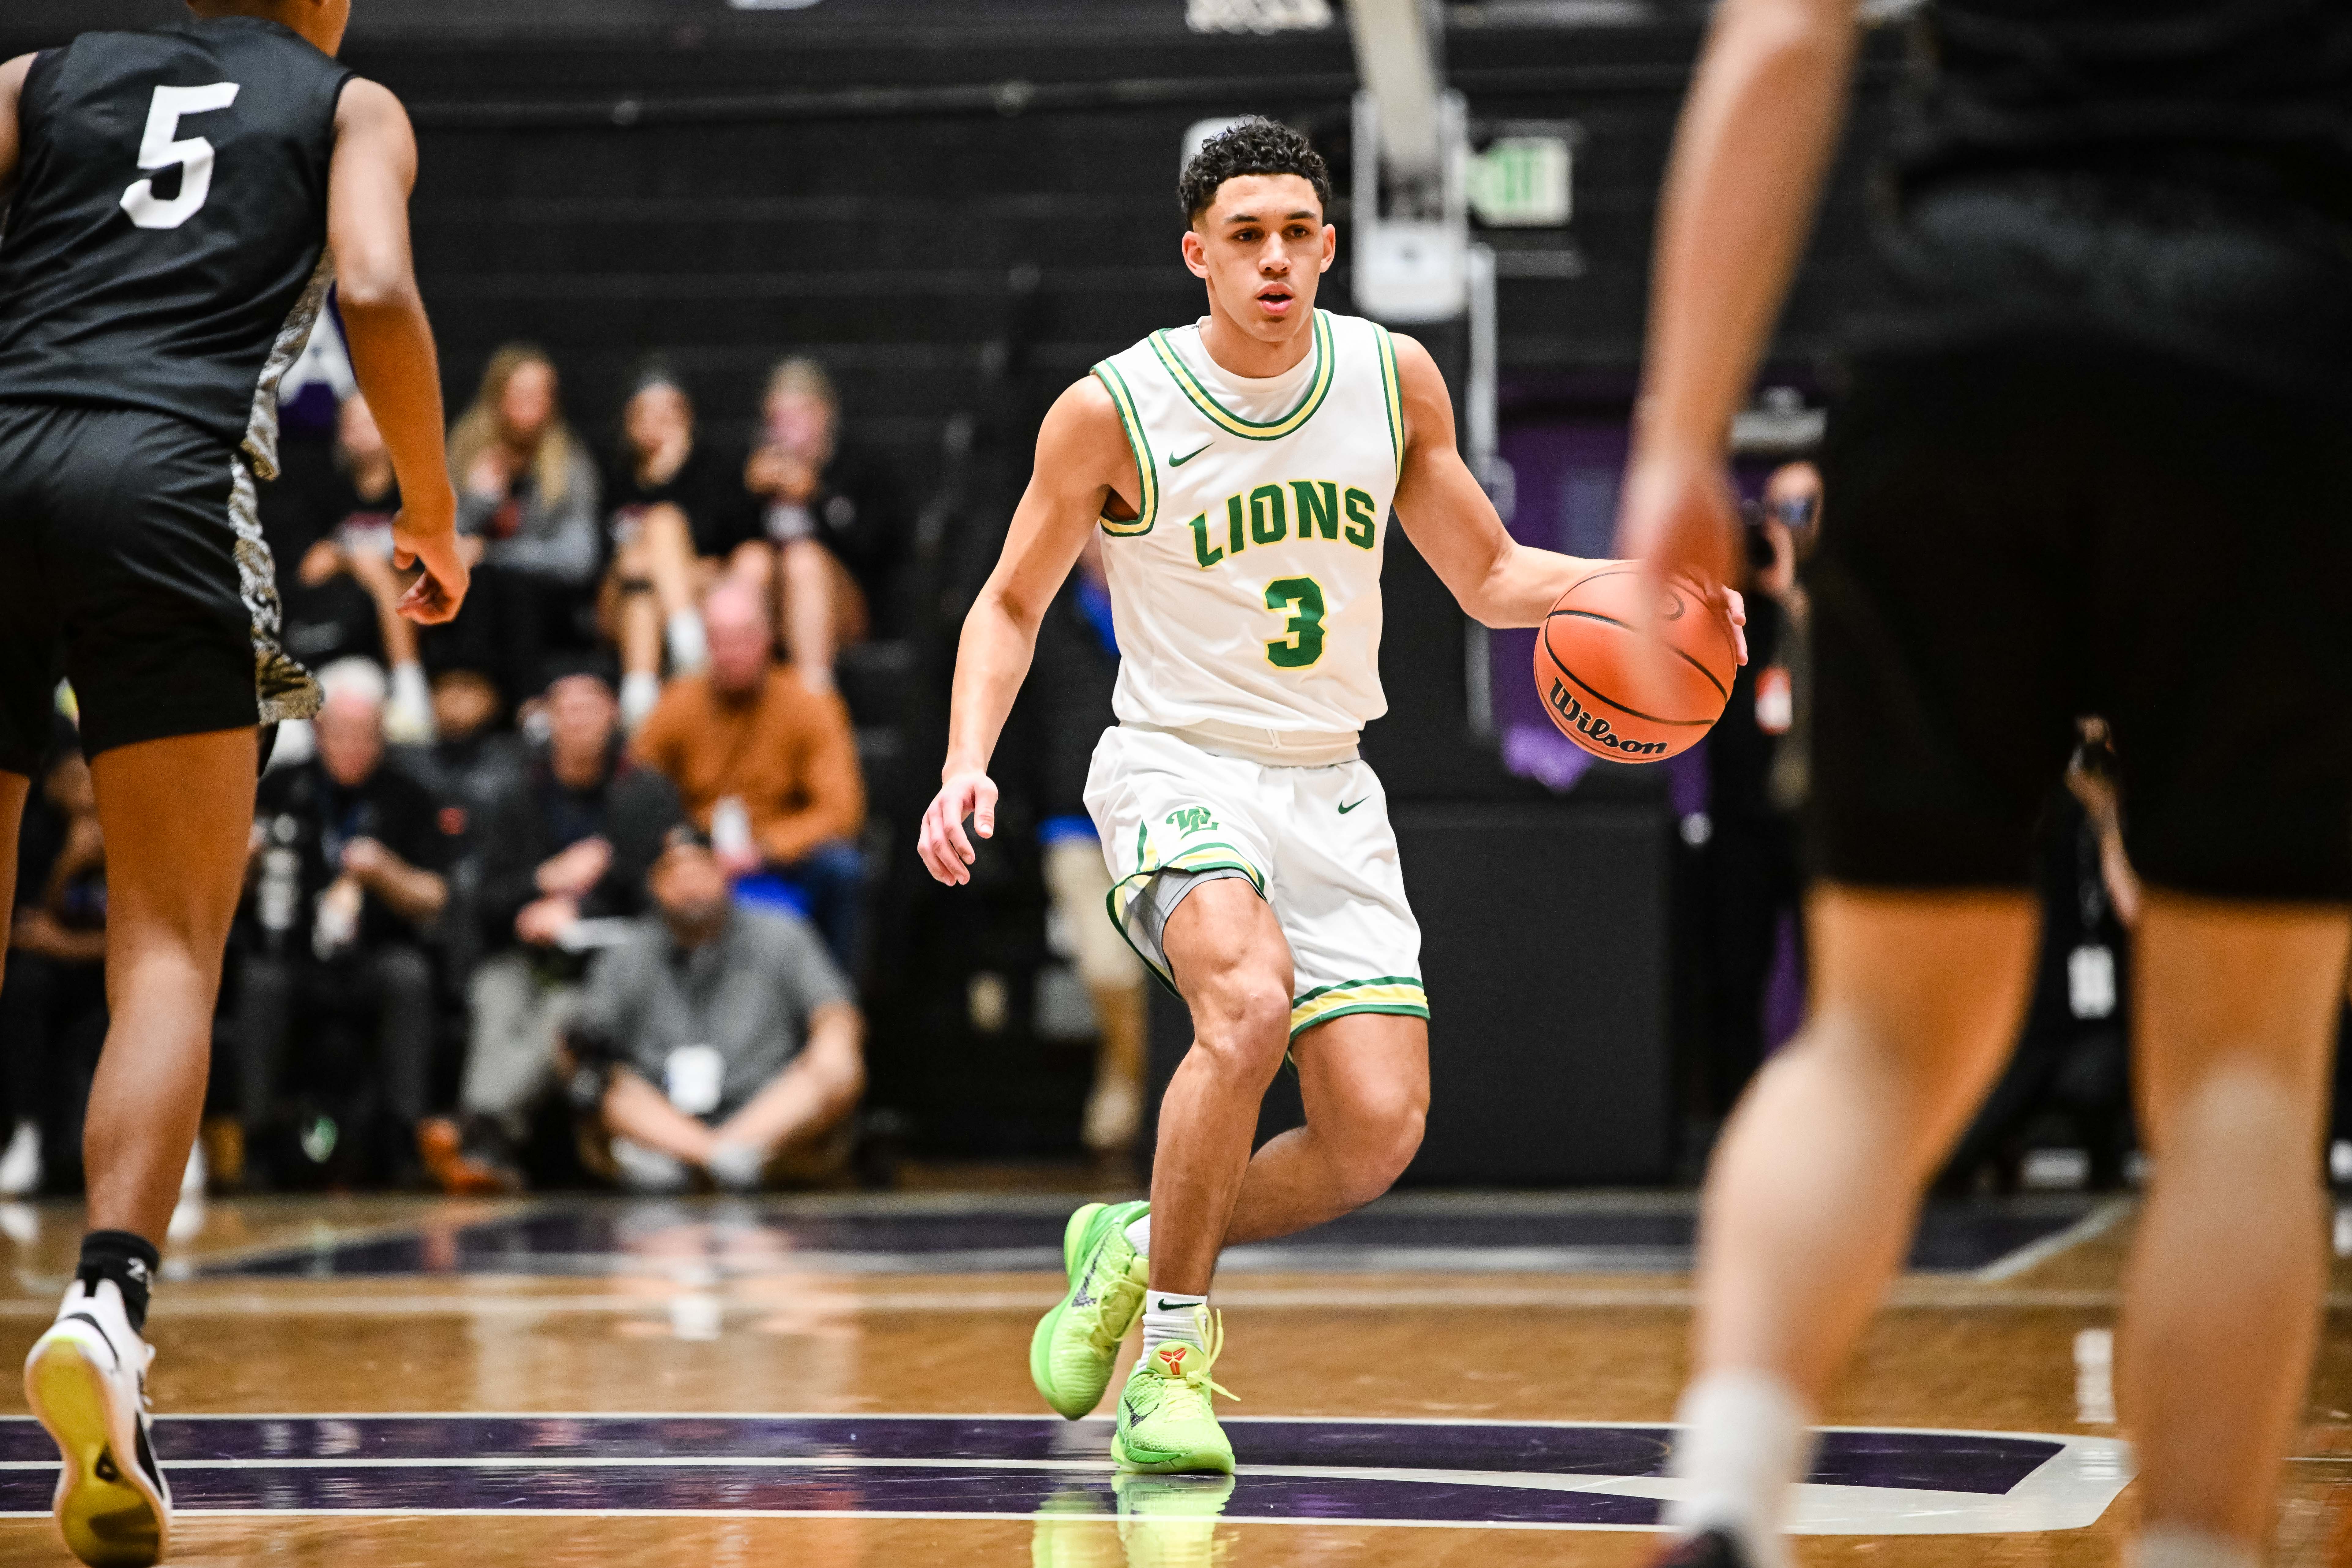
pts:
pixel 1593 727
pixel 1192 819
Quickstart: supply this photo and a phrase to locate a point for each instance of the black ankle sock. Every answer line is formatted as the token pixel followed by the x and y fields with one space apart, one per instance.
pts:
pixel 129 1260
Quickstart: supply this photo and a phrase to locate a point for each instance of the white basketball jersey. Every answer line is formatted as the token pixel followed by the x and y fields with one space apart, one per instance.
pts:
pixel 1247 592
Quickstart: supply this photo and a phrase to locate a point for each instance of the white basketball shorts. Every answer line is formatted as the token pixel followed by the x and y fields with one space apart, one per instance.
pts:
pixel 1314 842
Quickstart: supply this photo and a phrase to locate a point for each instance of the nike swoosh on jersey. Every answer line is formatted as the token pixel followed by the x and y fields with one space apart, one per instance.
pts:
pixel 1179 462
pixel 1351 806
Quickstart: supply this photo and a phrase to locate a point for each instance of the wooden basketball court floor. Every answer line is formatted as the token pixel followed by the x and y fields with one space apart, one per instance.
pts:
pixel 1442 1381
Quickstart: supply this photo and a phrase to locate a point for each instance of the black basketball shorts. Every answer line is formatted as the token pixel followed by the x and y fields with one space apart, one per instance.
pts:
pixel 2020 531
pixel 131 564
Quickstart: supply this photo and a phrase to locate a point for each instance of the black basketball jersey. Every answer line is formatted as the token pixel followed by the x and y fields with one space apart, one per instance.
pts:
pixel 166 247
pixel 2250 98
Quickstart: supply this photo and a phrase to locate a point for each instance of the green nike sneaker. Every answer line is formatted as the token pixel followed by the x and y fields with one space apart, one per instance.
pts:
pixel 1171 1521
pixel 1071 1352
pixel 1165 1422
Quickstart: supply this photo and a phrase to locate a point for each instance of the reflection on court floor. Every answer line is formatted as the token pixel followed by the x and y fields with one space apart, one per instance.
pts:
pixel 1447 1379
pixel 1515 1475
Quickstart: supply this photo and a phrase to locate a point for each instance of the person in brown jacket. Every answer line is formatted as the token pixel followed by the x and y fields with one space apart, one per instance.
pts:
pixel 768 768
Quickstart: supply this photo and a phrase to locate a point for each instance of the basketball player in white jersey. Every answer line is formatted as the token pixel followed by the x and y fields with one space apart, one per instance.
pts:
pixel 1241 471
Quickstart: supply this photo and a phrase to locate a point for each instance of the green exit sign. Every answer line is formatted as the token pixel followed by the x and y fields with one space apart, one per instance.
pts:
pixel 1522 181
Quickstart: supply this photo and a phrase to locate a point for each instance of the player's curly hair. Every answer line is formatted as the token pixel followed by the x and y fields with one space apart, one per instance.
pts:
pixel 1255 146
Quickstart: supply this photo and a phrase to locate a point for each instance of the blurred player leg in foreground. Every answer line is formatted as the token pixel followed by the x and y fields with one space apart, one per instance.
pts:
pixel 2033 473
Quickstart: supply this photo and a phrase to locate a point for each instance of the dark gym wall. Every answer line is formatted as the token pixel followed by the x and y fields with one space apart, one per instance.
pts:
pixel 1544 944
pixel 958 206
pixel 863 179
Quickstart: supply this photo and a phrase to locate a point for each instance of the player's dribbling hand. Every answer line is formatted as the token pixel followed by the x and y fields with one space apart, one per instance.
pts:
pixel 1678 518
pixel 945 848
pixel 1735 610
pixel 441 588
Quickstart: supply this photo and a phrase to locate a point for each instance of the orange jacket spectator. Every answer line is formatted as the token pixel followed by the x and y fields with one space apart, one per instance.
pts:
pixel 786 751
pixel 754 732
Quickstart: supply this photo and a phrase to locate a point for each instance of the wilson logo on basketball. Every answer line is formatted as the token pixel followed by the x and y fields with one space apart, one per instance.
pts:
pixel 1595 729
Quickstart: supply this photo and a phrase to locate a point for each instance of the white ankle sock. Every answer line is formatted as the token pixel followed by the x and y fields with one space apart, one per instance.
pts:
pixel 1139 1235
pixel 687 648
pixel 408 708
pixel 1167 1316
pixel 640 689
pixel 2170 1546
pixel 1744 1444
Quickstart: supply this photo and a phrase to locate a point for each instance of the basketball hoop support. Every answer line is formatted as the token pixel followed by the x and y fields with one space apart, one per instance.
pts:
pixel 1411 155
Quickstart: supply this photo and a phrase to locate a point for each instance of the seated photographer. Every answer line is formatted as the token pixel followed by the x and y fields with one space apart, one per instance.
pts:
pixel 562 844
pixel 768 768
pixel 352 858
pixel 718 1043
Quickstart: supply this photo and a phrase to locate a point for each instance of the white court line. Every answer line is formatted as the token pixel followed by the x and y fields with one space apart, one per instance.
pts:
pixel 2099 1222
pixel 187 1516
pixel 1915 1295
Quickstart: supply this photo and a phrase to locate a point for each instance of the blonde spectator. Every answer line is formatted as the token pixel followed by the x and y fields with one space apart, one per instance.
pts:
pixel 527 505
pixel 676 515
pixel 833 514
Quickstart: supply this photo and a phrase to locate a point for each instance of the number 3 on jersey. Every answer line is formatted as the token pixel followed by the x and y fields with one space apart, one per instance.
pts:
pixel 1301 598
pixel 160 151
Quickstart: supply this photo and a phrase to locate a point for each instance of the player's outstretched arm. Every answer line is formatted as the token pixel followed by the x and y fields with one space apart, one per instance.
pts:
pixel 12 87
pixel 1447 514
pixel 1082 459
pixel 390 341
pixel 1755 137
pixel 1498 580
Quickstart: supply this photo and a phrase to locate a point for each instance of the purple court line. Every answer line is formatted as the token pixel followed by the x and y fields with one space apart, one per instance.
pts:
pixel 846 1490
pixel 1984 1464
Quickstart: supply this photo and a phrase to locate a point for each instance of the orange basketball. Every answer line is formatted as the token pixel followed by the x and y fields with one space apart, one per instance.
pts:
pixel 1631 687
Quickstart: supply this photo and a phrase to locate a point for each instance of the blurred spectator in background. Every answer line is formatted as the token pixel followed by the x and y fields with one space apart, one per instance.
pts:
pixel 564 848
pixel 1070 684
pixel 2067 1084
pixel 474 759
pixel 1750 852
pixel 767 768
pixel 730 1044
pixel 474 756
pixel 675 512
pixel 1790 521
pixel 343 592
pixel 53 1001
pixel 351 858
pixel 834 515
pixel 528 494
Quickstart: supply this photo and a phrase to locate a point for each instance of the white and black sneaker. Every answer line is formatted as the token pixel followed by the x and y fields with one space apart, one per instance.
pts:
pixel 1707 1549
pixel 87 1381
